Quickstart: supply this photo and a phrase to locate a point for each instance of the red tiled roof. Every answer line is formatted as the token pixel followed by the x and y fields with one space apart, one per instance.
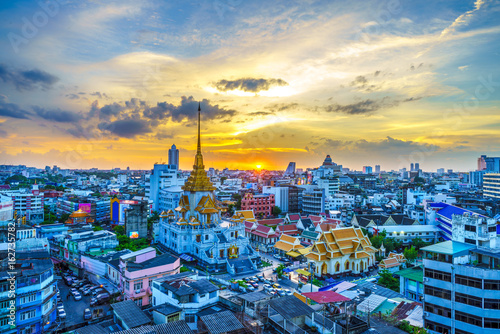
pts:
pixel 294 217
pixel 315 218
pixel 288 227
pixel 264 235
pixel 264 229
pixel 271 222
pixel 323 297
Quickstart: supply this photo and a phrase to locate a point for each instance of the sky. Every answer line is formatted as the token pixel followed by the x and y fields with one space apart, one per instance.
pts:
pixel 115 83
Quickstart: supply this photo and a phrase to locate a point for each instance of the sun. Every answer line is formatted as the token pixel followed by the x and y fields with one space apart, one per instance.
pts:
pixel 258 166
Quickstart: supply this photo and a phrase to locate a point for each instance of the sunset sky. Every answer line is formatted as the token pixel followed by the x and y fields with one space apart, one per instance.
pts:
pixel 116 83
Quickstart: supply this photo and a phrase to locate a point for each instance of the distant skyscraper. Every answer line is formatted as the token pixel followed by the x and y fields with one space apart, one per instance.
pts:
pixel 377 169
pixel 412 168
pixel 440 171
pixel 173 156
pixel 367 169
pixel 290 170
pixel 481 163
pixel 417 166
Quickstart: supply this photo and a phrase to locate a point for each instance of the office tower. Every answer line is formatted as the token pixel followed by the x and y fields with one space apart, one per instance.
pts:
pixel 377 169
pixel 417 166
pixel 173 156
pixel 491 185
pixel 412 168
pixel 290 170
pixel 367 170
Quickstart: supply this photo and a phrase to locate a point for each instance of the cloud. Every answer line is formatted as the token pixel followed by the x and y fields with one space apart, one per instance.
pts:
pixel 73 96
pixel 100 95
pixel 27 80
pixel 12 110
pixel 261 113
pixel 127 128
pixel 363 107
pixel 249 84
pixel 3 133
pixel 462 19
pixel 57 115
pixel 463 68
pixel 188 109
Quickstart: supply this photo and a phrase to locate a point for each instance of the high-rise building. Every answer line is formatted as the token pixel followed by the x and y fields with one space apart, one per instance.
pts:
pixel 412 167
pixel 290 170
pixel 162 177
pixel 461 279
pixel 330 184
pixel 481 162
pixel 173 156
pixel 440 171
pixel 491 185
pixel 367 169
pixel 417 166
pixel 377 169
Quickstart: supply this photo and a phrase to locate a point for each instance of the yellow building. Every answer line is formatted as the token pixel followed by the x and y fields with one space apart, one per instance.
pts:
pixel 342 251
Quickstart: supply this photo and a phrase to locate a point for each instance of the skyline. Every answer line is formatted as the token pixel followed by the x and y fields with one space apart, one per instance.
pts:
pixel 115 84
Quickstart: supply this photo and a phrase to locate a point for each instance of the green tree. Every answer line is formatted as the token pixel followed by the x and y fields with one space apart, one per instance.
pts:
pixel 119 230
pixel 386 279
pixel 410 254
pixel 279 270
pixel 419 243
pixel 276 210
pixel 64 217
pixel 230 209
pixel 419 179
pixel 237 198
pixel 97 228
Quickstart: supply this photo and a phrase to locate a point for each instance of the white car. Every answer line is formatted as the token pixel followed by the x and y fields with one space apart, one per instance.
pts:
pixel 61 313
pixel 73 290
pixel 77 296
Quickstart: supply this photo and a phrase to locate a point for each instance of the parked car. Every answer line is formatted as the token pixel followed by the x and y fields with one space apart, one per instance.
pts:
pixel 100 299
pixel 73 290
pixel 276 286
pixel 60 306
pixel 267 287
pixel 250 288
pixel 255 285
pixel 87 314
pixel 61 313
pixel 281 292
pixel 77 296
pixel 260 278
pixel 288 292
pixel 97 291
pixel 267 281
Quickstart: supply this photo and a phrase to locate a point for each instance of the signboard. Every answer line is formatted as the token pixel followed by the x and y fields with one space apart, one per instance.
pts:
pixel 85 207
pixel 133 235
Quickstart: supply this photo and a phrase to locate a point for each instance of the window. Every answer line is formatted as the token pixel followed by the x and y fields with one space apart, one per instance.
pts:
pixel 492 304
pixel 138 285
pixel 28 298
pixel 491 323
pixel 492 229
pixel 212 294
pixel 437 274
pixel 469 300
pixel 28 315
pixel 202 296
pixel 469 281
pixel 490 284
pixel 459 331
pixel 470 228
pixel 190 318
pixel 469 318
pixel 206 236
pixel 439 310
pixel 4 321
pixel 138 302
pixel 127 285
pixel 173 317
pixel 437 327
pixel 436 292
pixel 470 241
pixel 47 306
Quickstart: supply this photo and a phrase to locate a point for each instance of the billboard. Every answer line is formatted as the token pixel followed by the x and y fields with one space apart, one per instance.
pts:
pixel 85 207
pixel 118 207
pixel 133 235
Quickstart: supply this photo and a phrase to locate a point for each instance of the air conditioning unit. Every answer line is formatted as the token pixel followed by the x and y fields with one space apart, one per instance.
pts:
pixel 426 314
pixel 426 279
pixel 137 291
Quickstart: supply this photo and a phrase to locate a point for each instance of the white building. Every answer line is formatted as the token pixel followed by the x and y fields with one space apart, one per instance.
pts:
pixel 329 183
pixel 28 203
pixel 280 196
pixel 6 208
pixel 162 177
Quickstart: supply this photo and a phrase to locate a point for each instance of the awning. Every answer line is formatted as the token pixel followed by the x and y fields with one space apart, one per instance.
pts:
pixel 293 254
pixel 304 250
pixel 186 257
pixel 303 272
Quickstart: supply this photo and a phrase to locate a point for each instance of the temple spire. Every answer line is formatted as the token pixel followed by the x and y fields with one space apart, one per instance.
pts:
pixel 199 141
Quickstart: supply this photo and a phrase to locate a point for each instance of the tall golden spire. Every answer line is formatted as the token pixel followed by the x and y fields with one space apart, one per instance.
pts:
pixel 198 180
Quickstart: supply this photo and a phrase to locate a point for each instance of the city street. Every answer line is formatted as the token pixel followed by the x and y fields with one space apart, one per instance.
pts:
pixel 74 309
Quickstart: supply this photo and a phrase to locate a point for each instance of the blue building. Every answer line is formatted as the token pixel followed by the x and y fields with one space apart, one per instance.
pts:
pixel 35 294
pixel 411 283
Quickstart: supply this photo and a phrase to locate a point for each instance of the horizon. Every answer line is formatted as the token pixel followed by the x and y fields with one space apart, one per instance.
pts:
pixel 85 84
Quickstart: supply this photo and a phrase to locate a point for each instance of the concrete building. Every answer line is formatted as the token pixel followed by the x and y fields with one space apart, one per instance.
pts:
pixel 138 270
pixel 187 292
pixel 290 170
pixel 377 169
pixel 173 156
pixel 411 283
pixel 491 185
pixel 330 184
pixel 162 177
pixel 367 170
pixel 280 196
pixel 260 204
pixel 136 220
pixel 461 280
pixel 6 208
pixel 313 201
pixel 27 203
pixel 476 178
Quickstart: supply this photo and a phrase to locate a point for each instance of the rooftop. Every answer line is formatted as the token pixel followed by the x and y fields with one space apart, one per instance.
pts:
pixel 130 313
pixel 414 273
pixel 221 322
pixel 160 260
pixel 448 247
pixel 290 307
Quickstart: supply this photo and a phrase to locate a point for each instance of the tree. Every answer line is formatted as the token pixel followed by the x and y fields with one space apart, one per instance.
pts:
pixel 419 243
pixel 386 279
pixel 119 230
pixel 237 198
pixel 276 210
pixel 279 270
pixel 64 217
pixel 230 209
pixel 97 228
pixel 410 254
pixel 419 179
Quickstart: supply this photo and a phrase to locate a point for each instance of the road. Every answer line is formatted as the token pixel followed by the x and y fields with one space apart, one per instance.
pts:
pixel 74 309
